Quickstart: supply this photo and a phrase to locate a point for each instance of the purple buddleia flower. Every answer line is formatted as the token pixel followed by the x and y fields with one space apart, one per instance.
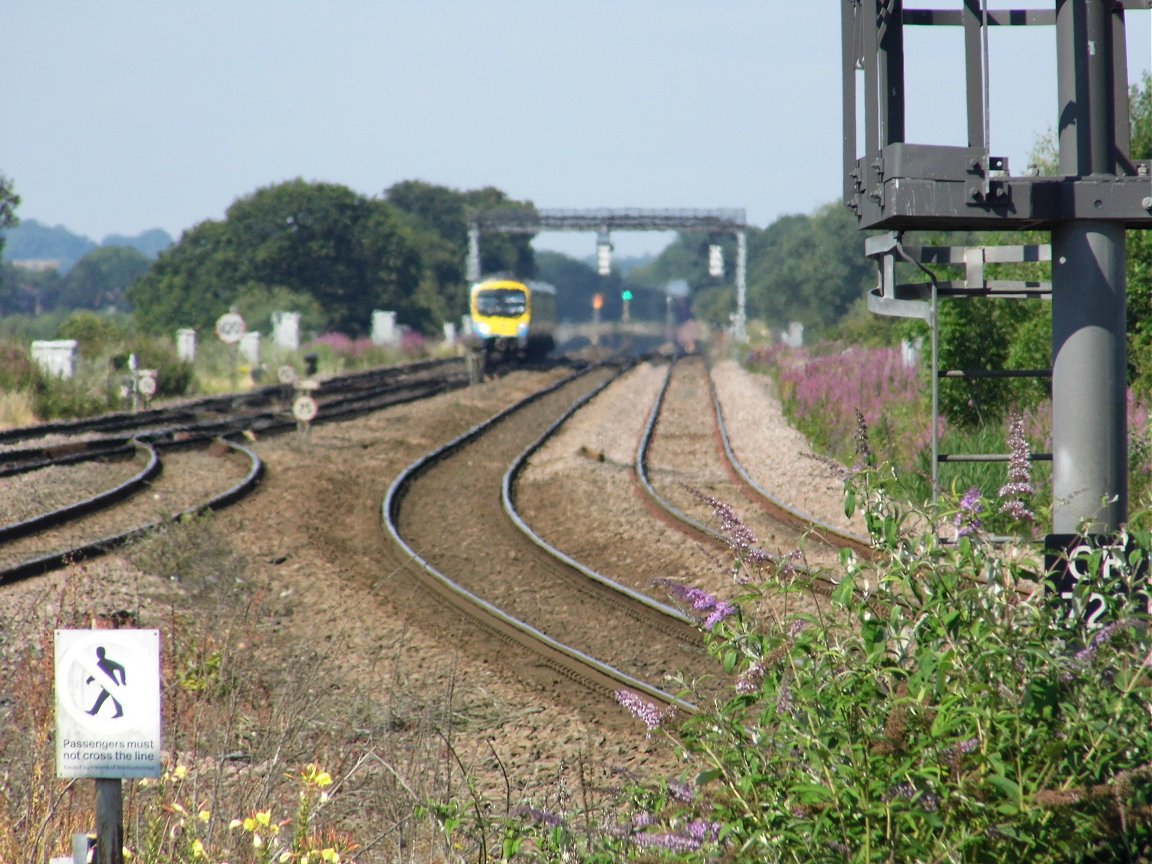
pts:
pixel 647 712
pixel 542 817
pixel 784 700
pixel 703 831
pixel 682 792
pixel 721 610
pixel 1019 485
pixel 751 680
pixel 967 519
pixel 643 820
pixel 699 601
pixel 671 842
pixel 738 535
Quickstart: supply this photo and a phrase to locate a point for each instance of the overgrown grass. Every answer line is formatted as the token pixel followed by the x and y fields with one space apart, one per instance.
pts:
pixel 271 752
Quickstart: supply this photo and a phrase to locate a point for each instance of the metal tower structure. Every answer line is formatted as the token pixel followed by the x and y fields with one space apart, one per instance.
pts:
pixel 604 221
pixel 1099 192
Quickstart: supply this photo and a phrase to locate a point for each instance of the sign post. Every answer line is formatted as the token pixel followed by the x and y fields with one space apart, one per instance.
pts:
pixel 230 329
pixel 108 719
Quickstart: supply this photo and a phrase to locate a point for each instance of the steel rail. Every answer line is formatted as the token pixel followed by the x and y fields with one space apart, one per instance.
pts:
pixel 107 498
pixel 508 500
pixel 827 533
pixel 769 504
pixel 92 549
pixel 576 665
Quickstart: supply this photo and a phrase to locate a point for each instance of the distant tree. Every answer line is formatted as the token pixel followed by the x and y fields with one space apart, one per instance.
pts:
pixel 307 237
pixel 438 219
pixel 28 292
pixel 189 285
pixel 349 254
pixel 9 202
pixel 576 284
pixel 34 240
pixel 100 280
pixel 151 242
pixel 809 269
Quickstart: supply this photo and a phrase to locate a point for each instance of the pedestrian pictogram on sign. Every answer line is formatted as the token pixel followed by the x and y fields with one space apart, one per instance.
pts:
pixel 108 703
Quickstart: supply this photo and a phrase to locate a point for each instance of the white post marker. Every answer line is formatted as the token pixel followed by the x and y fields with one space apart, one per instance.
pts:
pixel 108 703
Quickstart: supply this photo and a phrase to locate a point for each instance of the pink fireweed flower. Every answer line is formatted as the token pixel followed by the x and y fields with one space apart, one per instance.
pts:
pixel 649 713
pixel 699 601
pixel 1019 485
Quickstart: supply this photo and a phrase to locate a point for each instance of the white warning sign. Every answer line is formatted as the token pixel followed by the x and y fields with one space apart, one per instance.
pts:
pixel 108 703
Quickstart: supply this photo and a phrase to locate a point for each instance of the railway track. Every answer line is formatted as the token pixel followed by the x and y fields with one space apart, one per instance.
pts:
pixel 112 478
pixel 581 627
pixel 265 410
pixel 512 580
pixel 688 467
pixel 564 607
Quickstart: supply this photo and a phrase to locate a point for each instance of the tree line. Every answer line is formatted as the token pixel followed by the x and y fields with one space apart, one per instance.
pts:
pixel 336 255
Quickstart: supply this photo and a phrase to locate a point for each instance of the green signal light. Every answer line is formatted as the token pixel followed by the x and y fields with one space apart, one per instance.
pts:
pixel 625 295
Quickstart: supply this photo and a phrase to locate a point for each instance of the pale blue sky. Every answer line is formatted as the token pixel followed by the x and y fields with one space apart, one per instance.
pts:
pixel 125 115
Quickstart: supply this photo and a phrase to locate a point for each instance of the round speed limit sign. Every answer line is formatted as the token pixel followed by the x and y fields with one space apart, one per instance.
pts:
pixel 230 327
pixel 304 409
pixel 147 385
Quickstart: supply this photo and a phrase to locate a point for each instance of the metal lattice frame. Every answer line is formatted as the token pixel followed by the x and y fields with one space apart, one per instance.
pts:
pixel 526 220
pixel 1099 193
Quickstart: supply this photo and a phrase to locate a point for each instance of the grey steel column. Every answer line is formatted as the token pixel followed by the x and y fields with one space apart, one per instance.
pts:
pixel 1089 410
pixel 472 266
pixel 741 333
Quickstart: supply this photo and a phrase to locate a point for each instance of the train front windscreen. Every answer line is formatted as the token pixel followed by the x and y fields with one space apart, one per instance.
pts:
pixel 503 302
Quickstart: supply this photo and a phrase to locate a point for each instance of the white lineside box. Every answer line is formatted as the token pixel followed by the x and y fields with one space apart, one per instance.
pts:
pixel 55 357
pixel 286 330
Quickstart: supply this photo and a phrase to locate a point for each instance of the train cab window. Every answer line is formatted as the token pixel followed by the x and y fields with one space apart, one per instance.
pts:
pixel 510 303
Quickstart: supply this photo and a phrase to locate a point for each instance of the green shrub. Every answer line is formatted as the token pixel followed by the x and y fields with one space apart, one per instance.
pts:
pixel 95 334
pixel 64 398
pixel 941 705
pixel 17 370
pixel 174 377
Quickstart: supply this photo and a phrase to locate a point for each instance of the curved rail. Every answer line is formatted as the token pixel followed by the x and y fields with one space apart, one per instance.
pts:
pixel 771 505
pixel 573 663
pixel 95 548
pixel 828 533
pixel 507 495
pixel 151 469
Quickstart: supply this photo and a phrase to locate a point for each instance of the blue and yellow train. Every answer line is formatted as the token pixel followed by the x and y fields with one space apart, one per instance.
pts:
pixel 513 318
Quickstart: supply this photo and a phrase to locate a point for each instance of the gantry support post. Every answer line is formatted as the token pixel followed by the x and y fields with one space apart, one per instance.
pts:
pixel 1089 405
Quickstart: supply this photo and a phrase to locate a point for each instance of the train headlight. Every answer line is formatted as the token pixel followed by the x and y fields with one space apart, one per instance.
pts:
pixel 481 328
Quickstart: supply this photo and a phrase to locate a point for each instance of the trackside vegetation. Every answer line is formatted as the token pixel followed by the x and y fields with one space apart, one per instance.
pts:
pixel 944 705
